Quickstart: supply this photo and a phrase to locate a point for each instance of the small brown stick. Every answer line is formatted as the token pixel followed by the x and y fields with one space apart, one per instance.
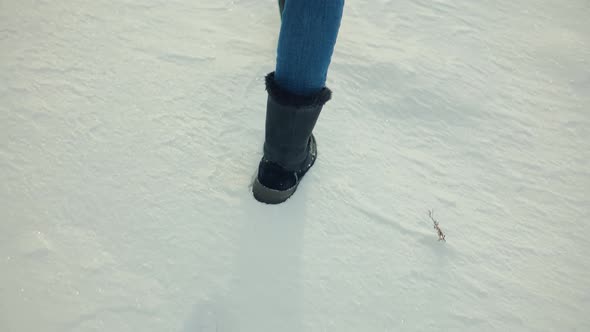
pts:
pixel 441 235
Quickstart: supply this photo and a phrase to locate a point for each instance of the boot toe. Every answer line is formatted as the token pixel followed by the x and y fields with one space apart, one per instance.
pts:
pixel 273 184
pixel 273 176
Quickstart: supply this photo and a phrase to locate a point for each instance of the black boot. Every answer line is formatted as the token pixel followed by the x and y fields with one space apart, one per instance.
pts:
pixel 289 147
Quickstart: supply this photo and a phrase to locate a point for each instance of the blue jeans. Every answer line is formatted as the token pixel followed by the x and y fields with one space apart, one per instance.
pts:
pixel 309 30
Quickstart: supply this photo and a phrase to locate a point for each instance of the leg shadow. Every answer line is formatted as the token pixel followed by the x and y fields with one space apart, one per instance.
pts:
pixel 265 292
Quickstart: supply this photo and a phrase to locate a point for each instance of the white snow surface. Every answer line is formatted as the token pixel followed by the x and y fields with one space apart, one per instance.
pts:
pixel 130 131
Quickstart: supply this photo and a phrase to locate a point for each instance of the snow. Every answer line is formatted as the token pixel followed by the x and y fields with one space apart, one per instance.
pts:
pixel 130 131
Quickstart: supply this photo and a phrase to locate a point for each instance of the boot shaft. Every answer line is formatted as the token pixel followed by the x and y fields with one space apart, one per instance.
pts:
pixel 290 120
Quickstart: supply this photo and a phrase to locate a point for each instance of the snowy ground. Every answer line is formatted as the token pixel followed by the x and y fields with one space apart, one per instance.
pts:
pixel 130 131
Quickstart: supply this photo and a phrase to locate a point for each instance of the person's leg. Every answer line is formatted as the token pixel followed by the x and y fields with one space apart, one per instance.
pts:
pixel 308 34
pixel 296 96
pixel 281 6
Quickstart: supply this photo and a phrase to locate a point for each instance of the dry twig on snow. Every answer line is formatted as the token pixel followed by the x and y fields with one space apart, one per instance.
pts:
pixel 441 235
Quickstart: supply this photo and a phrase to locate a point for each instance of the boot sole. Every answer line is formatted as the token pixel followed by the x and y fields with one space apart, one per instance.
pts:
pixel 267 195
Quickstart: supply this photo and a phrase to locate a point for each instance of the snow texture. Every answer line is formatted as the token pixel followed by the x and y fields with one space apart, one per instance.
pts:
pixel 130 131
